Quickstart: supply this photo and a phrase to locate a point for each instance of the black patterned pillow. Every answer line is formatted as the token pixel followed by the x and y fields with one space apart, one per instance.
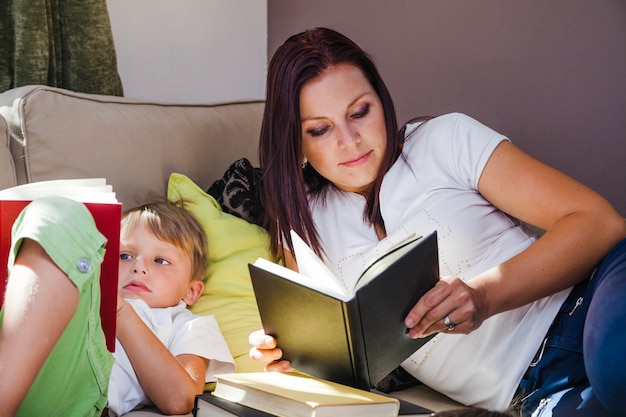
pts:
pixel 238 191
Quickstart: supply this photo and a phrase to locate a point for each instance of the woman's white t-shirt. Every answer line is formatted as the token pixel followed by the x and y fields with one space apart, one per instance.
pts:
pixel 434 186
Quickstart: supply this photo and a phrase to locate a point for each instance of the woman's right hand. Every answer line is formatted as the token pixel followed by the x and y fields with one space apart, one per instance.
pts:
pixel 264 349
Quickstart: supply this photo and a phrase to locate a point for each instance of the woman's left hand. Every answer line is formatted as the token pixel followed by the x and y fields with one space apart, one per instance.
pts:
pixel 452 306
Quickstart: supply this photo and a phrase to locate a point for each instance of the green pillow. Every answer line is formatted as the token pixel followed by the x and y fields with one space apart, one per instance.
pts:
pixel 233 243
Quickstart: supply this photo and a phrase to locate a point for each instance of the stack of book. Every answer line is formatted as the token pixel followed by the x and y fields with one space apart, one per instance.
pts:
pixel 290 394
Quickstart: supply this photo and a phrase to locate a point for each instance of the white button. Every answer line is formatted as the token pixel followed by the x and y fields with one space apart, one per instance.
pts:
pixel 83 265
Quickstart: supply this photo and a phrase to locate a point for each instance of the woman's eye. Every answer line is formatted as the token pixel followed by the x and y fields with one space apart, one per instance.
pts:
pixel 162 261
pixel 362 113
pixel 125 256
pixel 317 131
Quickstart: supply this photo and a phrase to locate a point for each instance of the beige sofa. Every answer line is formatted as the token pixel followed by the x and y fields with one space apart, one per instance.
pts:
pixel 49 133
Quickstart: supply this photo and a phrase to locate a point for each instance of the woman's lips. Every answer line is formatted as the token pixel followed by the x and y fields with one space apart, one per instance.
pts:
pixel 357 161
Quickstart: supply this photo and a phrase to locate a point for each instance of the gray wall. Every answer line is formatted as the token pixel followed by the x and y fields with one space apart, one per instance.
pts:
pixel 550 74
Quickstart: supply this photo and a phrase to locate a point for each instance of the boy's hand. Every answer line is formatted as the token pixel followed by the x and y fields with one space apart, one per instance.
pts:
pixel 264 349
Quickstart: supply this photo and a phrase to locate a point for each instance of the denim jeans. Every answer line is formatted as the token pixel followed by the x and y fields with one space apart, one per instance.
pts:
pixel 580 370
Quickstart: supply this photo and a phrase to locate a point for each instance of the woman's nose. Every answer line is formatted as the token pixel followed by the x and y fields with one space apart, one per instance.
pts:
pixel 348 136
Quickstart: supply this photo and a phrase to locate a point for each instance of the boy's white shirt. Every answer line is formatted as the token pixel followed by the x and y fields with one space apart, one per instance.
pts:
pixel 182 332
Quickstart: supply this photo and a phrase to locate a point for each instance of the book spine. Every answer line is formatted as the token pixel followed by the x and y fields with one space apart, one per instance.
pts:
pixel 356 343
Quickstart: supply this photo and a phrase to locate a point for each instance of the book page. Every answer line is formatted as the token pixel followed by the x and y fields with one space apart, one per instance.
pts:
pixel 85 190
pixel 395 251
pixel 310 265
pixel 309 282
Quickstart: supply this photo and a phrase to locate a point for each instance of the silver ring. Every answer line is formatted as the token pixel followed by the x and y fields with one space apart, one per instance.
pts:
pixel 448 323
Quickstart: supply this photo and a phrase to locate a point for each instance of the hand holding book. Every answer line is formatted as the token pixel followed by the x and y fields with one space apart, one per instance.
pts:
pixel 351 336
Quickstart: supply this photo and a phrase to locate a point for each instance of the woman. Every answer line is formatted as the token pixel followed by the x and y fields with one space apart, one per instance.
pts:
pixel 336 170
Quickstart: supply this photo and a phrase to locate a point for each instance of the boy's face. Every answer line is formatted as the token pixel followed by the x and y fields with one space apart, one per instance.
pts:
pixel 154 271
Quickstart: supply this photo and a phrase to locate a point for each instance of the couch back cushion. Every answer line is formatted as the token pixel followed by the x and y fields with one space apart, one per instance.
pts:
pixel 134 144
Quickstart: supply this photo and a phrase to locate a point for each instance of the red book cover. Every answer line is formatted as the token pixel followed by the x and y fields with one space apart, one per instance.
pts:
pixel 107 217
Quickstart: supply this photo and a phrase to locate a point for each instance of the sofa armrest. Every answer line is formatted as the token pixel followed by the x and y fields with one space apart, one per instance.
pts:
pixel 7 169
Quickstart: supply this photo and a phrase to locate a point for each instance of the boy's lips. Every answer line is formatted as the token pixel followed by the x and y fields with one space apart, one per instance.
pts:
pixel 136 286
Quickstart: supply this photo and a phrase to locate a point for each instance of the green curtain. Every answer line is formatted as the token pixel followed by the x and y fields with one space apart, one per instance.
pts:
pixel 60 43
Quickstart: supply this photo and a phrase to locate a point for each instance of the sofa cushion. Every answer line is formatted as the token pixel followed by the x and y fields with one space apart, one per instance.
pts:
pixel 233 243
pixel 238 191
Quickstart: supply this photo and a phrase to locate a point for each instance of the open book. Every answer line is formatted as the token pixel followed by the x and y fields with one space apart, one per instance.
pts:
pixel 106 211
pixel 351 337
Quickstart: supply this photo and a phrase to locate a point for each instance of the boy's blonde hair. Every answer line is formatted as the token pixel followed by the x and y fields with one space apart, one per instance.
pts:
pixel 171 223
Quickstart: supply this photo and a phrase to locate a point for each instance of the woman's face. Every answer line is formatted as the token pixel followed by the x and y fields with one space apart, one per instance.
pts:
pixel 343 127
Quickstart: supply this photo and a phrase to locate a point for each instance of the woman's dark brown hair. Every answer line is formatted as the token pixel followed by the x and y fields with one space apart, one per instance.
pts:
pixel 286 185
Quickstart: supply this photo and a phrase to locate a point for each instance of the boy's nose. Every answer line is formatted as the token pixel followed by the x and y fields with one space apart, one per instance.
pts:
pixel 139 267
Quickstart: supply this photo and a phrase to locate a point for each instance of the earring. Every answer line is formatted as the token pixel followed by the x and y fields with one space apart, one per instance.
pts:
pixel 304 164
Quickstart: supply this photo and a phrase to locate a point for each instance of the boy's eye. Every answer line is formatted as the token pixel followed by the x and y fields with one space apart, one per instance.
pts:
pixel 125 256
pixel 162 261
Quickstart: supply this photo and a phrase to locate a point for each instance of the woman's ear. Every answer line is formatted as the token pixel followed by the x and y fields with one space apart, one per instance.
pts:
pixel 194 291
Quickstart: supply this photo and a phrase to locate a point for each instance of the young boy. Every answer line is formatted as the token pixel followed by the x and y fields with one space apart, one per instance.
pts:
pixel 53 358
